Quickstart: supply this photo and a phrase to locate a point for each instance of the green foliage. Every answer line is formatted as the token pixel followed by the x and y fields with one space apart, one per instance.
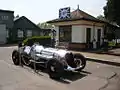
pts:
pixel 42 40
pixel 45 25
pixel 112 11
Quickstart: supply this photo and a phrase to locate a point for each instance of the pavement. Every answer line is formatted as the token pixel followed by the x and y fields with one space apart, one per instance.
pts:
pixel 114 51
pixel 111 57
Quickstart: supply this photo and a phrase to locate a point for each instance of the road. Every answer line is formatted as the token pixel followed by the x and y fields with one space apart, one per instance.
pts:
pixel 96 76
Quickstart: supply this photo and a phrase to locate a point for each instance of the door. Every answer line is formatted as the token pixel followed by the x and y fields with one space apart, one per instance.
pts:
pixel 88 37
pixel 98 37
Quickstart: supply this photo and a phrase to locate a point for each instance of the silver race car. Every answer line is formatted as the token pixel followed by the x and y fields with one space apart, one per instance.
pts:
pixel 56 61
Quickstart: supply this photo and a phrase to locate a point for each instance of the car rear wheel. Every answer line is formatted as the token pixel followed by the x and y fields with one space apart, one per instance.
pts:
pixel 15 57
pixel 55 69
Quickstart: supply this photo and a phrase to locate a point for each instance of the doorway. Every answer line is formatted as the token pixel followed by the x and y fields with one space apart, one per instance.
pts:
pixel 98 38
pixel 88 37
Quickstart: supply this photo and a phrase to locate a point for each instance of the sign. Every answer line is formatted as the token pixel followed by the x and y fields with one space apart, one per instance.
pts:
pixel 64 13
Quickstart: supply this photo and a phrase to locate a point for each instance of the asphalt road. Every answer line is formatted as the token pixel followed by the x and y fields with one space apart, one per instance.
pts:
pixel 96 76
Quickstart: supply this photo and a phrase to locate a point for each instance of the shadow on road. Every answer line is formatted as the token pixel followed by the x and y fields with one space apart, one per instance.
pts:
pixel 73 76
pixel 67 78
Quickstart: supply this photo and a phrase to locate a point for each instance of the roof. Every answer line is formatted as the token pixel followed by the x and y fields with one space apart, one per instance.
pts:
pixel 23 22
pixel 77 15
pixel 1 10
pixel 16 18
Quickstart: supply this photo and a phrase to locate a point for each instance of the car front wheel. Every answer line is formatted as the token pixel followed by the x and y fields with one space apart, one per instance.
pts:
pixel 79 61
pixel 55 69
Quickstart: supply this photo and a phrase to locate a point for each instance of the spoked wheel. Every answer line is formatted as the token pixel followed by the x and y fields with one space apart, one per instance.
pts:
pixel 79 61
pixel 55 69
pixel 26 61
pixel 15 57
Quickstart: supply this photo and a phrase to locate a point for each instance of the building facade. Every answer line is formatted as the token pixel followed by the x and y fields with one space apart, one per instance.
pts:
pixel 79 31
pixel 6 25
pixel 24 28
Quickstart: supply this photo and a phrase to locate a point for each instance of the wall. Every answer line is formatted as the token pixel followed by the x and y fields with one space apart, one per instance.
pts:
pixel 79 30
pixel 7 19
pixel 2 34
pixel 79 33
pixel 24 24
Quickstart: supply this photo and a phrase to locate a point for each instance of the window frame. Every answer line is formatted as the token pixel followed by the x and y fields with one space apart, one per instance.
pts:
pixel 19 31
pixel 31 32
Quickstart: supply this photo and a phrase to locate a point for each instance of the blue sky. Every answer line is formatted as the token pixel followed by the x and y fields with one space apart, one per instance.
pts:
pixel 44 10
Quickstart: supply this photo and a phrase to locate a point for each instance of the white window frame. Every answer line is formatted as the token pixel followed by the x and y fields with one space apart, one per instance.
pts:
pixel 20 33
pixel 29 33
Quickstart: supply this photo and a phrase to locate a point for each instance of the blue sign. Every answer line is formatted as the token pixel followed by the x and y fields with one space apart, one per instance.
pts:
pixel 64 13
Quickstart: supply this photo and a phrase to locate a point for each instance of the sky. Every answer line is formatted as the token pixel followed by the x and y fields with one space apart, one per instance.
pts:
pixel 39 11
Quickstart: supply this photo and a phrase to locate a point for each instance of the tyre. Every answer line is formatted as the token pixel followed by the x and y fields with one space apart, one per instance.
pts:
pixel 26 60
pixel 55 69
pixel 80 62
pixel 15 57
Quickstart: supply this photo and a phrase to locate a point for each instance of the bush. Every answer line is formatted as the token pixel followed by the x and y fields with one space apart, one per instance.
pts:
pixel 42 40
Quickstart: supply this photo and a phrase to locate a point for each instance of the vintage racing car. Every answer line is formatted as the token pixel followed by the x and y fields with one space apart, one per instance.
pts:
pixel 55 60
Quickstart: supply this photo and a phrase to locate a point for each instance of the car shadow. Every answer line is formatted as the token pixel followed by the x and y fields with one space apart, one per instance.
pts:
pixel 73 76
pixel 68 77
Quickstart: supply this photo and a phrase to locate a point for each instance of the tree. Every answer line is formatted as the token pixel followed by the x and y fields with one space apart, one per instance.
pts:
pixel 45 25
pixel 101 17
pixel 112 11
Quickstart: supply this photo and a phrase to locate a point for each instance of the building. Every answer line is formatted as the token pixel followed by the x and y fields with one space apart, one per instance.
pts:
pixel 24 28
pixel 6 25
pixel 78 30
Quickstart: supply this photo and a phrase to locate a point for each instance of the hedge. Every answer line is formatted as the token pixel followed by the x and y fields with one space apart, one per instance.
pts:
pixel 42 40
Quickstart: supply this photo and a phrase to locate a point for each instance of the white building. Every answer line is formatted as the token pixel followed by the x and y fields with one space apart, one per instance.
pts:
pixel 80 31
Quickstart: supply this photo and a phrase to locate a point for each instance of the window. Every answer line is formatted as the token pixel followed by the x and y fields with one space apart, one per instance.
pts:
pixel 5 17
pixel 7 33
pixel 20 33
pixel 65 33
pixel 29 33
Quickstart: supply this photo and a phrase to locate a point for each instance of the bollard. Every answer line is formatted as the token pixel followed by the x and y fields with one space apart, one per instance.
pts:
pixel 20 57
pixel 34 61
